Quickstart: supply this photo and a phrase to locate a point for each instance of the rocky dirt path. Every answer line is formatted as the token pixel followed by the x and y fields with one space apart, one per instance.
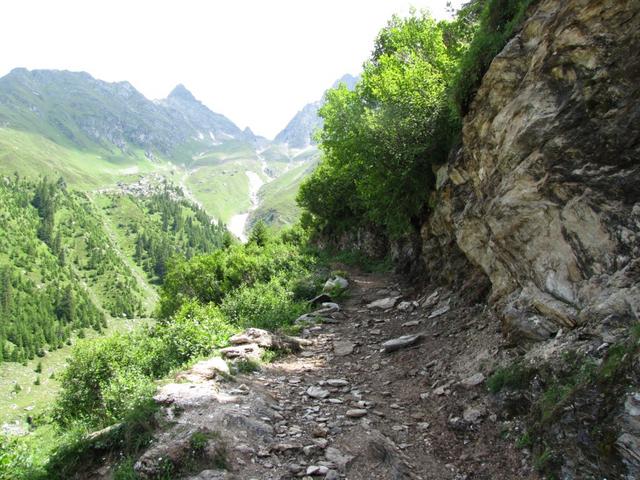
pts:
pixel 344 407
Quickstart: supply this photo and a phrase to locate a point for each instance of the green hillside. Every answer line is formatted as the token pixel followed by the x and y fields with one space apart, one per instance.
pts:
pixel 32 154
pixel 60 272
pixel 278 205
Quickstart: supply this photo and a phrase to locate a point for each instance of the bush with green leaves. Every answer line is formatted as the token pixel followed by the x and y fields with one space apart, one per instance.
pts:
pixel 107 378
pixel 267 305
pixel 193 331
pixel 15 458
pixel 497 22
pixel 209 278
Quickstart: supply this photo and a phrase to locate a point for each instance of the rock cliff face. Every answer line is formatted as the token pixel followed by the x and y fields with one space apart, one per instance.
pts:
pixel 544 194
pixel 544 198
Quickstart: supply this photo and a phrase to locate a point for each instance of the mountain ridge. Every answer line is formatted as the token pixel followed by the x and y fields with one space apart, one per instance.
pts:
pixel 298 133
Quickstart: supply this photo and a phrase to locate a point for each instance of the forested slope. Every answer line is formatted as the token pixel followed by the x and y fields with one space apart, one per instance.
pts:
pixel 64 269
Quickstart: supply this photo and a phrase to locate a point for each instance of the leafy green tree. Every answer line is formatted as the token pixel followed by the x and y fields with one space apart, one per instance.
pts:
pixel 381 141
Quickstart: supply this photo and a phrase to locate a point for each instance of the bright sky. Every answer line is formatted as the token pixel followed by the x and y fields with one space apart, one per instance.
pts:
pixel 256 61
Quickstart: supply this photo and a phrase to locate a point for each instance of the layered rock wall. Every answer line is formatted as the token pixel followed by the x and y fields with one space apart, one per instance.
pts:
pixel 544 195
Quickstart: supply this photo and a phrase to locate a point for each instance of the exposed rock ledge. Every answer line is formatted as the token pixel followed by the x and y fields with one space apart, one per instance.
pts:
pixel 544 196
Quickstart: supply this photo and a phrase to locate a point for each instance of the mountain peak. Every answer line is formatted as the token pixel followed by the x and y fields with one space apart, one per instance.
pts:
pixel 348 79
pixel 180 92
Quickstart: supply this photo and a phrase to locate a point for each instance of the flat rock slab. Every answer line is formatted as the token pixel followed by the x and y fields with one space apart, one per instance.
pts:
pixel 412 323
pixel 250 350
pixel 384 303
pixel 317 392
pixel 439 311
pixel 356 413
pixel 327 309
pixel 473 380
pixel 337 382
pixel 401 342
pixel 205 370
pixel 343 347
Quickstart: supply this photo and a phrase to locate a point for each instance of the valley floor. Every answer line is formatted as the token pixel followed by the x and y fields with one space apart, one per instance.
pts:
pixel 344 408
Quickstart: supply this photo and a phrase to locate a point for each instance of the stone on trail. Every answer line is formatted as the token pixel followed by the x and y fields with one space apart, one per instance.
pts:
pixel 337 382
pixel 407 306
pixel 317 470
pixel 431 299
pixel 210 475
pixel 317 392
pixel 307 319
pixel 334 455
pixel 337 282
pixel 473 415
pixel 356 413
pixel 473 380
pixel 250 350
pixel 439 311
pixel 343 347
pixel 320 299
pixel 265 339
pixel 327 309
pixel 384 303
pixel 412 323
pixel 401 342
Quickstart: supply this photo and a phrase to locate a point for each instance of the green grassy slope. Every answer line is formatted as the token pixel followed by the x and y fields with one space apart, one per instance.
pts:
pixel 223 188
pixel 278 206
pixel 32 155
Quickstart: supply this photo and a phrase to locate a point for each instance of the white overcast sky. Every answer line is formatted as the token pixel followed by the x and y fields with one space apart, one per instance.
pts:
pixel 256 61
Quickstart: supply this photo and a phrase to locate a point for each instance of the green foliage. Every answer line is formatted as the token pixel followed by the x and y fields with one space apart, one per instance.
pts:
pixel 383 141
pixel 247 366
pixel 110 377
pixel 525 441
pixel 209 278
pixel 270 356
pixel 125 471
pixel 193 331
pixel 54 285
pixel 380 140
pixel 541 462
pixel 263 305
pixel 198 441
pixel 498 21
pixel 516 376
pixel 357 258
pixel 76 451
pixel 157 228
pixel 101 370
pixel 15 459
pixel 259 234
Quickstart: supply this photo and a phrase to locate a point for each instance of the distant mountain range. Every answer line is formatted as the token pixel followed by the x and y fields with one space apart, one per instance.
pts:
pixel 96 133
pixel 75 109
